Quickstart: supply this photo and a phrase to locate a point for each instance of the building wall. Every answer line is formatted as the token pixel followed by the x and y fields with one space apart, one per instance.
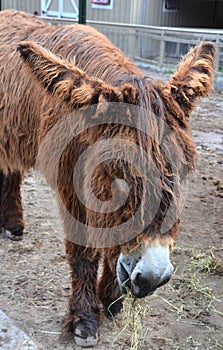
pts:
pixel 23 5
pixel 190 13
pixel 124 11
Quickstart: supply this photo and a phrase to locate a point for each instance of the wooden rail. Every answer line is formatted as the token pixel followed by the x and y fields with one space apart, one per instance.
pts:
pixel 160 47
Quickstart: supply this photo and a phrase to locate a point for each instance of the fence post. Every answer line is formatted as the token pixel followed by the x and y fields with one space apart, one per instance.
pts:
pixel 217 61
pixel 162 49
pixel 136 47
pixel 82 12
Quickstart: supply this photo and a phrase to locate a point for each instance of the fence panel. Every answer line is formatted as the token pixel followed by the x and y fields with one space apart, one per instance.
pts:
pixel 161 47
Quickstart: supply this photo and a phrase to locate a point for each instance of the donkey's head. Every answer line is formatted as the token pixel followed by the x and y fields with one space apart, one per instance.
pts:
pixel 148 266
pixel 129 187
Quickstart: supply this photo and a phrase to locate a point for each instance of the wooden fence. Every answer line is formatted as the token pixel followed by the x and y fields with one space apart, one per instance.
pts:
pixel 160 47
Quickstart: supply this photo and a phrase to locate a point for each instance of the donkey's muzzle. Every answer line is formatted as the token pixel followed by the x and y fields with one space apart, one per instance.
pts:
pixel 143 273
pixel 143 285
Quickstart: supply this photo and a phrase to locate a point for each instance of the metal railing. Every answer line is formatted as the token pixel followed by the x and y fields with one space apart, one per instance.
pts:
pixel 160 47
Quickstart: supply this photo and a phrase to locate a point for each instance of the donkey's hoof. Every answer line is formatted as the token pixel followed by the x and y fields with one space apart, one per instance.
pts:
pixel 113 308
pixel 88 342
pixel 83 340
pixel 14 234
pixel 85 337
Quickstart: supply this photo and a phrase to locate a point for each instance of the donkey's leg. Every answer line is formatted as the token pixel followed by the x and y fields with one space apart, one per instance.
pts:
pixel 10 205
pixel 84 312
pixel 108 290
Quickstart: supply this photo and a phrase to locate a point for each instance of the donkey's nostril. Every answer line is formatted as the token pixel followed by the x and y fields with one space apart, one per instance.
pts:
pixel 144 283
pixel 164 281
pixel 125 277
pixel 141 282
pixel 138 277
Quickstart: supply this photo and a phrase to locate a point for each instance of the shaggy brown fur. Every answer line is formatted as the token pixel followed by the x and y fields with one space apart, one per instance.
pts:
pixel 76 67
pixel 10 204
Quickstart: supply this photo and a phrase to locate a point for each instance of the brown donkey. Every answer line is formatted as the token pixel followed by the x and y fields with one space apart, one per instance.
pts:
pixel 115 147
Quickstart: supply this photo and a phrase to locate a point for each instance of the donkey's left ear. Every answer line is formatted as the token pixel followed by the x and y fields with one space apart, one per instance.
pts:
pixel 66 81
pixel 194 77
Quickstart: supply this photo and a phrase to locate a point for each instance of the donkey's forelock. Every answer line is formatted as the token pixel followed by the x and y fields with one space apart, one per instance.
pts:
pixel 142 180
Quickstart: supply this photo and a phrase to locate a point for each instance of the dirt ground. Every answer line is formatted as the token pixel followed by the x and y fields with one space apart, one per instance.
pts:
pixel 185 314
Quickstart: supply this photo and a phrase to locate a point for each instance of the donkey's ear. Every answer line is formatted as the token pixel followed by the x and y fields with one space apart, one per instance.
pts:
pixel 194 77
pixel 64 80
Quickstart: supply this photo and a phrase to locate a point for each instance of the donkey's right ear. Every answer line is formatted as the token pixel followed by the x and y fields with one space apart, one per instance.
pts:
pixel 194 77
pixel 64 80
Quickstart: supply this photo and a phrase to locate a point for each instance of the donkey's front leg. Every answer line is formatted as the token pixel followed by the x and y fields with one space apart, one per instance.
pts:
pixel 84 312
pixel 108 289
pixel 11 212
